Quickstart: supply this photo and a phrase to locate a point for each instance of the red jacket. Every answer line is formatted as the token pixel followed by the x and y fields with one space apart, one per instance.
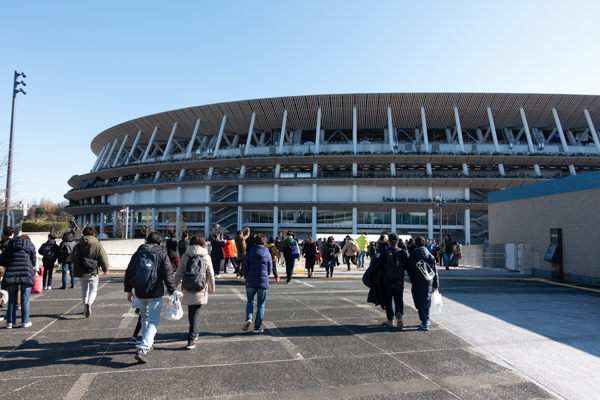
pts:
pixel 229 249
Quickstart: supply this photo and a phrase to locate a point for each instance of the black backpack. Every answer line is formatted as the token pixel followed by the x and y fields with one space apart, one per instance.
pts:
pixel 64 253
pixel 194 277
pixel 330 251
pixel 144 276
pixel 183 246
pixel 46 250
pixel 394 267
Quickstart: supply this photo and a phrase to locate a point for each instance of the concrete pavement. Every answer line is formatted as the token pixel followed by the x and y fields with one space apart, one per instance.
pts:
pixel 500 336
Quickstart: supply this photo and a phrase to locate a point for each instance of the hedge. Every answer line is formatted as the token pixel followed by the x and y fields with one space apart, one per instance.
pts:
pixel 58 228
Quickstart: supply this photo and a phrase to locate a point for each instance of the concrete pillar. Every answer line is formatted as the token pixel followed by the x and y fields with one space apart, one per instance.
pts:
pixel 429 169
pixel 188 153
pixel 179 195
pixel 315 172
pixel 120 151
pixel 275 193
pixel 354 193
pixel 207 221
pixel 430 223
pixel 314 192
pixel 153 219
pixel 242 171
pixel 239 221
pixel 393 169
pixel 467 194
pixel 424 124
pixel 177 219
pixel 354 131
pixel 131 223
pixel 277 170
pixel 149 146
pixel 354 220
pixel 240 193
pixel 318 132
pixel 354 170
pixel 314 223
pixel 393 216
pixel 467 226
pixel 220 137
pixel 459 131
pixel 101 222
pixel 250 133
pixel 282 135
pixel 275 222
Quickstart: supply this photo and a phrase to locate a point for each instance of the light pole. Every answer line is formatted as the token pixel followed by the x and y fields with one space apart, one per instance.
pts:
pixel 16 90
pixel 126 227
pixel 440 202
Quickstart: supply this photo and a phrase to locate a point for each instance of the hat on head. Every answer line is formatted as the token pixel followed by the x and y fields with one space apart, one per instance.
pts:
pixel 393 237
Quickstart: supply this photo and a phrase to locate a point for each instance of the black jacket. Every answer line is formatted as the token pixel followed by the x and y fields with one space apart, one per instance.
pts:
pixel 19 259
pixel 49 253
pixel 382 260
pixel 216 249
pixel 374 278
pixel 164 271
pixel 69 245
pixel 172 249
pixel 422 289
pixel 182 246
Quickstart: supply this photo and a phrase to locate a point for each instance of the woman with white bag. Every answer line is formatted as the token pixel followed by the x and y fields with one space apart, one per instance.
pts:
pixel 197 279
pixel 424 278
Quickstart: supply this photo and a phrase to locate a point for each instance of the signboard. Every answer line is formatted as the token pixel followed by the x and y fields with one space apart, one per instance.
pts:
pixel 551 252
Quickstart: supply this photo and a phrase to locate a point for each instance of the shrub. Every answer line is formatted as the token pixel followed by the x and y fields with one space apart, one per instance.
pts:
pixel 58 228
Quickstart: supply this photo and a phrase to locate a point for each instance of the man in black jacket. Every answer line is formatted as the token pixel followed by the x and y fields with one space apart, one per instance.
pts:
pixel 173 250
pixel 49 253
pixel 149 297
pixel 393 288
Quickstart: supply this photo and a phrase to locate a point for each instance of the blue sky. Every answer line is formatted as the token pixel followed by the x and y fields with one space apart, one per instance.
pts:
pixel 92 65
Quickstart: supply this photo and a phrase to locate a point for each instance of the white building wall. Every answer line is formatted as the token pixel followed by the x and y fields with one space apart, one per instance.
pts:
pixel 165 196
pixel 125 198
pixel 410 192
pixel 295 193
pixel 110 198
pixel 334 193
pixel 258 193
pixel 372 193
pixel 450 193
pixel 144 197
pixel 193 195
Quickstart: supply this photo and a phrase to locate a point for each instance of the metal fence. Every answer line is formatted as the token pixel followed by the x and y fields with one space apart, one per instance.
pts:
pixel 484 255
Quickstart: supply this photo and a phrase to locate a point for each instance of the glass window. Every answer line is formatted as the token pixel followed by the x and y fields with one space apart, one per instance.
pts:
pixel 165 217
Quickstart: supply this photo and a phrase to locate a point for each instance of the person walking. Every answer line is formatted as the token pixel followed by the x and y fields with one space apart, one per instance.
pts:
pixel 195 299
pixel 446 249
pixel 350 250
pixel 256 268
pixel 18 258
pixel 424 278
pixel 88 258
pixel 148 272
pixel 330 256
pixel 272 246
pixel 392 263
pixel 172 246
pixel 49 253
pixel 64 258
pixel 216 254
pixel 229 252
pixel 363 246
pixel 183 244
pixel 241 246
pixel 287 245
pixel 310 255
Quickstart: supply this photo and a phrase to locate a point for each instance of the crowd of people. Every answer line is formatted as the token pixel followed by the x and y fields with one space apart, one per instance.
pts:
pixel 155 270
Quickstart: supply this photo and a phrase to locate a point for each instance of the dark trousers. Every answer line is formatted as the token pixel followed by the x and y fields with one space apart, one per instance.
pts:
pixel 393 291
pixel 238 266
pixel 227 260
pixel 138 327
pixel 275 269
pixel 48 271
pixel 350 259
pixel 289 266
pixel 194 318
pixel 216 265
pixel 329 271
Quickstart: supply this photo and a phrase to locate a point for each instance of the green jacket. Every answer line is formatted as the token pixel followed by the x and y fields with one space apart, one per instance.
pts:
pixel 89 247
pixel 362 242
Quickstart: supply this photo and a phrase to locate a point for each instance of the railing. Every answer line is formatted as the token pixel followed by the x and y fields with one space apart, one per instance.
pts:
pixel 484 255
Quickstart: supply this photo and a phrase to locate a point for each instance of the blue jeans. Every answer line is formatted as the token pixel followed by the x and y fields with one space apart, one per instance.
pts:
pixel 11 310
pixel 424 316
pixel 447 257
pixel 261 296
pixel 67 267
pixel 361 258
pixel 395 290
pixel 150 313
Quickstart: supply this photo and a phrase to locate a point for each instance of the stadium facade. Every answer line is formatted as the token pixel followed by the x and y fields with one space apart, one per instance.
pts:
pixel 348 163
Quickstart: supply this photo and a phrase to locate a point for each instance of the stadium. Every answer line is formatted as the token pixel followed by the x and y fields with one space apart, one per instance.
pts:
pixel 343 163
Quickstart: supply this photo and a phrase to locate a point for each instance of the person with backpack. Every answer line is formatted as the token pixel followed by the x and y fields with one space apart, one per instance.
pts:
pixel 392 264
pixel 173 250
pixel 241 246
pixel 288 245
pixel 19 259
pixel 424 278
pixel 183 244
pixel 256 268
pixel 330 256
pixel 88 258
pixel 64 258
pixel 148 272
pixel 350 250
pixel 272 246
pixel 195 272
pixel 49 253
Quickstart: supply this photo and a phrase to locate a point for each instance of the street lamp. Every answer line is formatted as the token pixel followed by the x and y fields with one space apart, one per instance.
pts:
pixel 16 90
pixel 440 202
pixel 126 227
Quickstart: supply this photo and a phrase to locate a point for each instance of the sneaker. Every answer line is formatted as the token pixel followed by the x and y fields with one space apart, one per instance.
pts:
pixel 72 286
pixel 49 288
pixel 133 340
pixel 63 287
pixel 141 357
pixel 191 344
pixel 88 310
pixel 389 322
pixel 277 279
pixel 217 276
pixel 18 307
pixel 399 322
pixel 258 329
pixel 1 318
pixel 26 324
pixel 289 282
pixel 247 325
pixel 424 327
pixel 8 326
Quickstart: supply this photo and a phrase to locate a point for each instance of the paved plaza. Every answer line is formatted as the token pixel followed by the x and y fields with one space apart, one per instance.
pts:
pixel 501 336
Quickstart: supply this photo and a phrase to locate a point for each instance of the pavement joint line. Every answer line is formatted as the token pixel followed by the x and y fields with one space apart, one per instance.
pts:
pixel 306 284
pixel 288 346
pixel 239 294
pixel 381 350
pixel 21 388
pixel 80 387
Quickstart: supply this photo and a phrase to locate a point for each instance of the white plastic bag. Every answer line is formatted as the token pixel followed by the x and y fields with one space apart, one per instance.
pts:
pixel 174 311
pixel 436 302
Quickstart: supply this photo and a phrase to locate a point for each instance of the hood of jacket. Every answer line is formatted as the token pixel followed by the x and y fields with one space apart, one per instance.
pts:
pixel 420 253
pixel 259 252
pixel 87 241
pixel 19 244
pixel 196 250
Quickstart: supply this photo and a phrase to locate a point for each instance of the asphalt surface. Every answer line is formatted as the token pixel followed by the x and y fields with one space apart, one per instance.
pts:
pixel 321 340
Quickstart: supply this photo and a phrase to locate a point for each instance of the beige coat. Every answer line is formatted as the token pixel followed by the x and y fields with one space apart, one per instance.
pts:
pixel 201 297
pixel 350 248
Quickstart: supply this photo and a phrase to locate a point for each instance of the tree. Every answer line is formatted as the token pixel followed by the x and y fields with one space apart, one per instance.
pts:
pixel 182 225
pixel 147 222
